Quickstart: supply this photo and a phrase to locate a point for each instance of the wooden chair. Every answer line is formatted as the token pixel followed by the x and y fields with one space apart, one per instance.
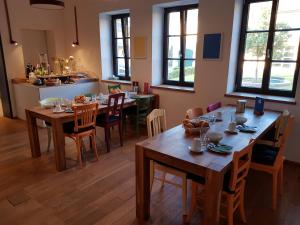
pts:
pixel 232 197
pixel 112 117
pixel 270 159
pixel 193 113
pixel 156 123
pixel 84 125
pixel 213 107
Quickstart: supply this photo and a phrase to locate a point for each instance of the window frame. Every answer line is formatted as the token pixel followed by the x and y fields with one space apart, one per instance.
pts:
pixel 183 34
pixel 125 46
pixel 268 56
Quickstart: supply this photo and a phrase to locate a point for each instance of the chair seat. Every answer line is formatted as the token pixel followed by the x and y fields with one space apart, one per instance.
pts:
pixel 264 154
pixel 100 121
pixel 201 180
pixel 69 128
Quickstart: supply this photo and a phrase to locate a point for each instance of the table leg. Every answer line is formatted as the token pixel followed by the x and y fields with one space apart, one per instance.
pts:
pixel 59 144
pixel 33 135
pixel 213 189
pixel 142 184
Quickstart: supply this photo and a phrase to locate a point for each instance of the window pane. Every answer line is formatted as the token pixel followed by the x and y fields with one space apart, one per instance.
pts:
pixel 285 46
pixel 174 47
pixel 120 49
pixel 118 28
pixel 256 45
pixel 173 70
pixel 174 23
pixel 252 74
pixel 192 21
pixel 129 66
pixel 121 67
pixel 189 70
pixel 288 14
pixel 282 76
pixel 190 47
pixel 259 16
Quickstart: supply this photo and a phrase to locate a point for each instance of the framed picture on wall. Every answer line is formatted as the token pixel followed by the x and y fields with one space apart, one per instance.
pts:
pixel 212 46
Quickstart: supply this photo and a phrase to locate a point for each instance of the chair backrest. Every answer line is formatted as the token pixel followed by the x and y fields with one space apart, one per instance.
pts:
pixel 283 137
pixel 240 167
pixel 281 124
pixel 114 106
pixel 156 122
pixel 213 107
pixel 112 87
pixel 193 113
pixel 85 116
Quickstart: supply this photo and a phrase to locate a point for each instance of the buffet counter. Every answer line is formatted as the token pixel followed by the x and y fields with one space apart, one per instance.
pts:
pixel 28 95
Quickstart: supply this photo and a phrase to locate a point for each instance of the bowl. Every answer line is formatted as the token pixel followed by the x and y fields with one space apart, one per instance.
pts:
pixel 214 137
pixel 240 120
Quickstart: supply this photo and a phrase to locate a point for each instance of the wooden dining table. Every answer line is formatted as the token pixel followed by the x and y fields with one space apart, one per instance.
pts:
pixel 57 120
pixel 170 148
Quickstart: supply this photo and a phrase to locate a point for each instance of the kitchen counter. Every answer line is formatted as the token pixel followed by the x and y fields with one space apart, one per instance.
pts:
pixel 28 95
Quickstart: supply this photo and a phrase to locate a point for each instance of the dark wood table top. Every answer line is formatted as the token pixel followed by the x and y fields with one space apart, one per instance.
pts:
pixel 174 143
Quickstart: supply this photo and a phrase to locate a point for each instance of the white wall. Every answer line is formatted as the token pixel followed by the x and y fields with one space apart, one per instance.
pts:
pixel 211 76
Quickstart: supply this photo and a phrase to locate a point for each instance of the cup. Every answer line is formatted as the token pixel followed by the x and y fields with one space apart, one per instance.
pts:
pixel 196 144
pixel 57 108
pixel 232 126
pixel 218 115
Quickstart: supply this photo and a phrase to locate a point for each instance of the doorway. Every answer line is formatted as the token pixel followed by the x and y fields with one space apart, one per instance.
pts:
pixel 5 103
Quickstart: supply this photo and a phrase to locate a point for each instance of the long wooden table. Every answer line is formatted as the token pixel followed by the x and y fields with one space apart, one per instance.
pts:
pixel 171 148
pixel 57 121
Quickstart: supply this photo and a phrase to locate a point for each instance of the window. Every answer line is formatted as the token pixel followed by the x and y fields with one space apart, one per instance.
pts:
pixel 180 40
pixel 121 46
pixel 269 47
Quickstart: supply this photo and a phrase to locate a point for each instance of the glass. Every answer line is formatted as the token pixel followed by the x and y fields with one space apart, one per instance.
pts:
pixel 118 28
pixel 127 26
pixel 256 45
pixel 190 46
pixel 189 70
pixel 128 46
pixel 173 70
pixel 129 66
pixel 174 23
pixel 174 47
pixel 288 14
pixel 192 21
pixel 285 46
pixel 282 76
pixel 121 67
pixel 252 74
pixel 259 16
pixel 120 48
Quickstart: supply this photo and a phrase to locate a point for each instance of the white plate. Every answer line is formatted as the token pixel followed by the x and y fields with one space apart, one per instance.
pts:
pixel 195 151
pixel 232 132
pixel 58 111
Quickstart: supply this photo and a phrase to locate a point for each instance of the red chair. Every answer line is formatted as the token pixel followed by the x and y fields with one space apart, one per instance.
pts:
pixel 213 107
pixel 112 117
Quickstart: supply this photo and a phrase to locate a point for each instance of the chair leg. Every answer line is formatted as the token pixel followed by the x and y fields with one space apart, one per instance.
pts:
pixel 121 133
pixel 193 201
pixel 91 142
pixel 107 138
pixel 78 146
pixel 49 138
pixel 275 190
pixel 280 180
pixel 93 138
pixel 242 204
pixel 230 210
pixel 163 178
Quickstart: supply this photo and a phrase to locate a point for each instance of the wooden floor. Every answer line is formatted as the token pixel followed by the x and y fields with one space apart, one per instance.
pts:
pixel 103 193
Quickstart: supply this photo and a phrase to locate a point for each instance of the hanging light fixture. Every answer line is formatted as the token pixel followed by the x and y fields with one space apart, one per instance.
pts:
pixel 76 42
pixel 47 4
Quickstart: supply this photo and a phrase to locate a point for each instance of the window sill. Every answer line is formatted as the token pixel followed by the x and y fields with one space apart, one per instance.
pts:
pixel 122 82
pixel 268 98
pixel 174 88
